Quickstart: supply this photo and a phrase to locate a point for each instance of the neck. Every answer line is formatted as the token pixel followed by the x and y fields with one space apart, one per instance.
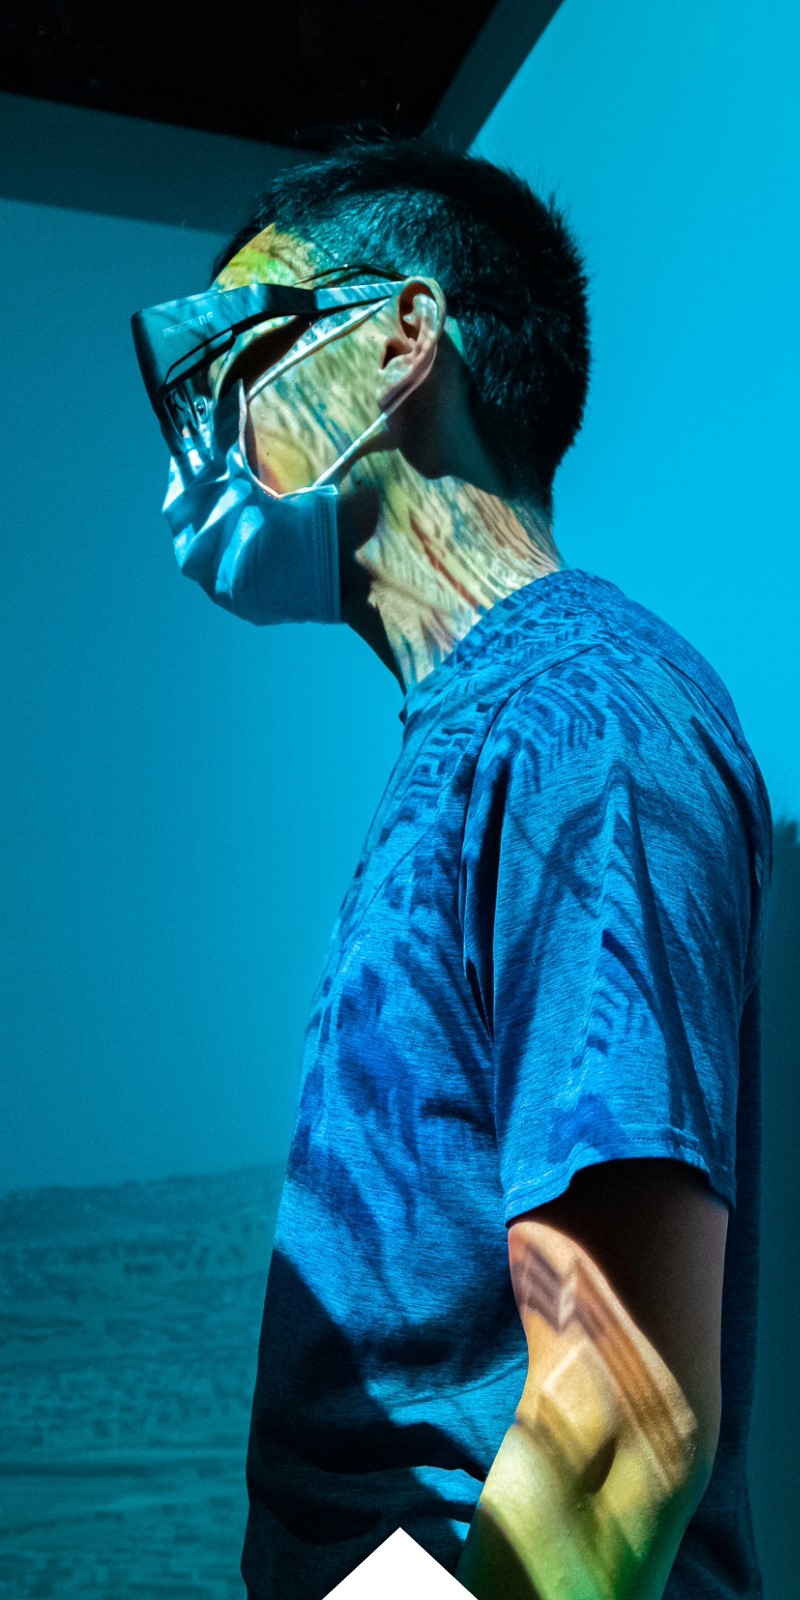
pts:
pixel 437 560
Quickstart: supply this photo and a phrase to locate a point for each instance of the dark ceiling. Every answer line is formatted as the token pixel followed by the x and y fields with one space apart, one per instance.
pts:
pixel 293 73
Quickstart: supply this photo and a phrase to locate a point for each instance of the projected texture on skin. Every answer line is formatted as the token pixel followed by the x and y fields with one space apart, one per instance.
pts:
pixel 443 550
pixel 604 1439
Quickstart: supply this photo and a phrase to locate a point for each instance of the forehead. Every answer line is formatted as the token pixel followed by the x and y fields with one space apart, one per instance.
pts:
pixel 270 257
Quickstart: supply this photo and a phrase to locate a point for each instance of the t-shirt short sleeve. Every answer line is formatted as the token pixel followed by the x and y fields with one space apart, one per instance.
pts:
pixel 605 903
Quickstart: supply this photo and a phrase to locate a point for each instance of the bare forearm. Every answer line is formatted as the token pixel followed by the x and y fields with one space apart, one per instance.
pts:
pixel 595 1482
pixel 536 1535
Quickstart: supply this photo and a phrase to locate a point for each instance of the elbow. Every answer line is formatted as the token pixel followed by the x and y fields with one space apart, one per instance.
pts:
pixel 705 1410
pixel 631 1458
pixel 699 1477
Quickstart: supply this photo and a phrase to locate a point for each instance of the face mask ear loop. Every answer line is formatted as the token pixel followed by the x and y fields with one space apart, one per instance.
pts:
pixel 274 494
pixel 374 431
pixel 381 425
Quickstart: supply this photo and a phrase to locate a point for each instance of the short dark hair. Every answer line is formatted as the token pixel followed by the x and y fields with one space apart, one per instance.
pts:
pixel 509 266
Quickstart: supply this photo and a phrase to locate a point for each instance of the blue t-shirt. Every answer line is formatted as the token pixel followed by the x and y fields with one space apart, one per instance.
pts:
pixel 549 956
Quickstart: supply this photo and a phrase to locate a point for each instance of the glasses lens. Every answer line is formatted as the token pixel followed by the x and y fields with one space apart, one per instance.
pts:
pixel 254 352
pixel 200 411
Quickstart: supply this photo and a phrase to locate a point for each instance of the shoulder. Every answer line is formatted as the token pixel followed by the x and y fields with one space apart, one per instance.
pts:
pixel 612 701
pixel 578 717
pixel 610 761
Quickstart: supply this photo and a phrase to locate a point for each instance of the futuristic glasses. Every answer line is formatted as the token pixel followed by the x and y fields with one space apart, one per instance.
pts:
pixel 179 342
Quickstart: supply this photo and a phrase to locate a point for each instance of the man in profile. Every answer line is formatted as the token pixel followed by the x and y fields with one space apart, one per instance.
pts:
pixel 511 1306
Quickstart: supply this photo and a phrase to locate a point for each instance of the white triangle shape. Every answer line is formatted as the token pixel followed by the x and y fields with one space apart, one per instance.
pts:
pixel 398 1569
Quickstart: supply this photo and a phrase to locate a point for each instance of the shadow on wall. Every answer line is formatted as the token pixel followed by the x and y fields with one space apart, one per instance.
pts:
pixel 774 1457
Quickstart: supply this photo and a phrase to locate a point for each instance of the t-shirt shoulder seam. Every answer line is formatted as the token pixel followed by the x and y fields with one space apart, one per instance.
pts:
pixel 560 658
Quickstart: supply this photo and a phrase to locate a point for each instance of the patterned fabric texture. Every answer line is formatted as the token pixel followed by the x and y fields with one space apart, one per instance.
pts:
pixel 549 956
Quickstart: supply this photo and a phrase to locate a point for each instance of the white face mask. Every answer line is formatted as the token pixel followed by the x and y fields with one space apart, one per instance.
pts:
pixel 265 558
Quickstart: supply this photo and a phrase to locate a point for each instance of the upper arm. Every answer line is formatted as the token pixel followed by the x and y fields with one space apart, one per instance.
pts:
pixel 649 1236
pixel 606 900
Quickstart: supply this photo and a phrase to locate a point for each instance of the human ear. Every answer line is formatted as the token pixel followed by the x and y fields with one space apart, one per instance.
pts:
pixel 418 314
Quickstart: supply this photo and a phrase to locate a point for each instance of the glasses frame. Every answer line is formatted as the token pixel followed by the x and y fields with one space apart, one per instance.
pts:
pixel 179 339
